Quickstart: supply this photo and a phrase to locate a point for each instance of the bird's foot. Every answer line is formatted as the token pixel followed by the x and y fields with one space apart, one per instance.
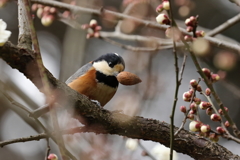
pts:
pixel 96 102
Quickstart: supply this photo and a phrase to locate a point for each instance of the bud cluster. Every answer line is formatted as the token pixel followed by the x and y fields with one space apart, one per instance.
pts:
pixel 196 103
pixel 191 26
pixel 163 18
pixel 92 29
pixel 45 13
pixel 211 76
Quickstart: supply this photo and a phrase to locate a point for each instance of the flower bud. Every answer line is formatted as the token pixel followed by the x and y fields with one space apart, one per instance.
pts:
pixel 192 21
pixel 189 29
pixel 193 106
pixel 215 117
pixel 190 116
pixel 226 124
pixel 163 19
pixel 199 88
pixel 93 23
pixel 200 33
pixel 166 5
pixel 183 109
pixel 194 126
pixel 209 111
pixel 188 38
pixel 187 96
pixel 192 111
pixel 220 111
pixel 205 128
pixel 215 77
pixel 46 9
pixel 207 72
pixel 214 137
pixel 204 105
pixel 159 8
pixel 34 7
pixel 52 157
pixel 197 100
pixel 220 130
pixel 193 83
pixel 53 10
pixel 132 144
pixel 47 20
pixel 207 91
pixel 39 12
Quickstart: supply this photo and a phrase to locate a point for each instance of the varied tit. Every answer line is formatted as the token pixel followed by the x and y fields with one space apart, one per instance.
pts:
pixel 97 79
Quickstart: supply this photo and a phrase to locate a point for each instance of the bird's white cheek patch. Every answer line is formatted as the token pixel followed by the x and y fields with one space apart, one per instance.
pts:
pixel 103 67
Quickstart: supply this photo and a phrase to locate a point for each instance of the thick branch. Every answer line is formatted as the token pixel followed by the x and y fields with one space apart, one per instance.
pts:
pixel 107 122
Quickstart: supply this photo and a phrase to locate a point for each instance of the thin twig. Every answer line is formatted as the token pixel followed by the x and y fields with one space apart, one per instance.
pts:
pixel 78 9
pixel 178 83
pixel 24 139
pixel 48 149
pixel 36 120
pixel 230 22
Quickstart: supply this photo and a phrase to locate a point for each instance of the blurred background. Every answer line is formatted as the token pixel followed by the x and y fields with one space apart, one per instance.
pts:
pixel 65 49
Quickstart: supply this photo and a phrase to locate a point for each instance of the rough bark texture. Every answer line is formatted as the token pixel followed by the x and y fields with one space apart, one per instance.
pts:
pixel 104 121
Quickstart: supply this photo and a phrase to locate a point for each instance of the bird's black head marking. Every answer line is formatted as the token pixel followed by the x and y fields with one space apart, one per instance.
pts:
pixel 112 59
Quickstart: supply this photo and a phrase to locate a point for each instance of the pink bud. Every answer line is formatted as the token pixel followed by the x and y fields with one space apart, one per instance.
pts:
pixel 197 100
pixel 207 91
pixel 220 130
pixel 93 23
pixel 187 96
pixel 215 117
pixel 190 116
pixel 166 5
pixel 189 29
pixel 34 7
pixel 53 10
pixel 220 111
pixel 163 19
pixel 215 77
pixel 205 128
pixel 192 111
pixel 183 109
pixel 199 88
pixel 200 33
pixel 47 20
pixel 214 137
pixel 207 72
pixel 46 9
pixel 194 126
pixel 209 111
pixel 227 124
pixel 193 83
pixel 193 106
pixel 188 38
pixel 52 157
pixel 159 8
pixel 204 105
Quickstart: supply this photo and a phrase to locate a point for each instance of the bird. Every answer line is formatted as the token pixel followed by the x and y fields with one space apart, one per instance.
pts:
pixel 97 80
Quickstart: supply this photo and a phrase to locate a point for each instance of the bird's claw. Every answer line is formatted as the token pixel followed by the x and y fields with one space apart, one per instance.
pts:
pixel 96 102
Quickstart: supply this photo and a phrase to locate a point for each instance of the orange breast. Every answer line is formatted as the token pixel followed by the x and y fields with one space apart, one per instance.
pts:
pixel 87 85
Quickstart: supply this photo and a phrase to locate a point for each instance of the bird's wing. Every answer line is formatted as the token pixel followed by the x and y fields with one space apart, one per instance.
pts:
pixel 81 71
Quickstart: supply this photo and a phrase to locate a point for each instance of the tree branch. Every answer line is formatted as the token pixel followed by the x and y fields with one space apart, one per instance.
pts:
pixel 113 122
pixel 77 10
